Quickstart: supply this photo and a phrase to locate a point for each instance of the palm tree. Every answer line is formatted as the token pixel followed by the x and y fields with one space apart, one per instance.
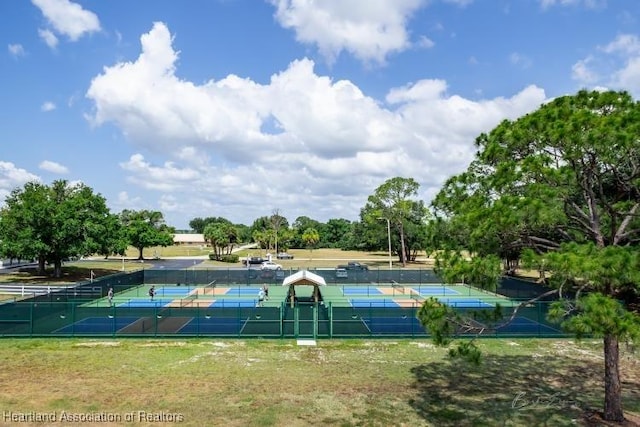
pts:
pixel 310 237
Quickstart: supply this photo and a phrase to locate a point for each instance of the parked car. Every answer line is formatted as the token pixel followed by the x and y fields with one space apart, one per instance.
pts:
pixel 284 255
pixel 341 273
pixel 270 265
pixel 254 260
pixel 353 266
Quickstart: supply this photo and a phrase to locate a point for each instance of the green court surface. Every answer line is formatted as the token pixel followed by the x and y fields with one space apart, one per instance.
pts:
pixel 343 310
pixel 459 296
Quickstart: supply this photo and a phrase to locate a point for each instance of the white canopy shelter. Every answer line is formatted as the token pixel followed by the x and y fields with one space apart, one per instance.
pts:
pixel 304 277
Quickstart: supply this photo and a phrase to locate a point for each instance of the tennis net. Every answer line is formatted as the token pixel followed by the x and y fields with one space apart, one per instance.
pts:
pixel 208 288
pixel 415 295
pixel 188 300
pixel 398 287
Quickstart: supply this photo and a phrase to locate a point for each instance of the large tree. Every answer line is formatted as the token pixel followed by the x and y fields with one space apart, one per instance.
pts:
pixel 198 224
pixel 336 233
pixel 277 222
pixel 393 201
pixel 262 232
pixel 145 229
pixel 52 223
pixel 300 225
pixel 115 239
pixel 563 183
pixel 222 235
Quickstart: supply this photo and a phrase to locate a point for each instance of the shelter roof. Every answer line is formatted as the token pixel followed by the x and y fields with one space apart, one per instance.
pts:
pixel 304 277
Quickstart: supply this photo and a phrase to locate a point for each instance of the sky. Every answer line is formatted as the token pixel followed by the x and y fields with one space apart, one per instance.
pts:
pixel 242 108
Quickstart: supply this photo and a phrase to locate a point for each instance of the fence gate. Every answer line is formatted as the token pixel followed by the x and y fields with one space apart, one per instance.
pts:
pixel 305 321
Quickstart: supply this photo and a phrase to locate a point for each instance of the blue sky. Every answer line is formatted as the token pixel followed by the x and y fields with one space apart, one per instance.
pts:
pixel 236 108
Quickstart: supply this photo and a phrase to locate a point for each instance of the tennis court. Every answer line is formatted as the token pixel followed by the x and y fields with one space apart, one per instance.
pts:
pixel 167 296
pixel 382 309
pixel 229 308
pixel 124 325
pixel 398 295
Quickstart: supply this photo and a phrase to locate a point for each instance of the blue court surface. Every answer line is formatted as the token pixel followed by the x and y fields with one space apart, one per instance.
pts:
pixel 97 325
pixel 173 291
pixel 234 302
pixel 411 325
pixel 434 290
pixel 203 325
pixel 465 303
pixel 523 325
pixel 401 324
pixel 213 325
pixel 243 291
pixel 146 302
pixel 394 325
pixel 373 303
pixel 360 290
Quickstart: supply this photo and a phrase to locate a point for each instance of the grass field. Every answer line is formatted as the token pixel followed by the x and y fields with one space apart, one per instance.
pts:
pixel 336 383
pixel 303 258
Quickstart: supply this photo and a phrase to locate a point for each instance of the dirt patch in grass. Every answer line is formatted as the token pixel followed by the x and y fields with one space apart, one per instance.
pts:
pixel 163 344
pixel 98 344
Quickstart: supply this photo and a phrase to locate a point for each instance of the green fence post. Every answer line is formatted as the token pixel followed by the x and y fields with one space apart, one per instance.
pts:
pixel 31 320
pixel 112 312
pixel 330 314
pixel 282 319
pixel 155 320
pixel 73 317
pixel 315 320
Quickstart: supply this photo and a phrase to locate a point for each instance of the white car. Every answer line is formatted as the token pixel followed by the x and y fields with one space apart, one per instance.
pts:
pixel 270 265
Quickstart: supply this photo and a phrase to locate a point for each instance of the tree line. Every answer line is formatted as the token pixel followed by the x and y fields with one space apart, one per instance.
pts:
pixel 392 219
pixel 52 223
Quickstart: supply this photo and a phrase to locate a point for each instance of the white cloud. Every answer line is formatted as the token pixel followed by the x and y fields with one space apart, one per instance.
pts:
pixel 589 4
pixel 53 167
pixel 12 177
pixel 165 178
pixel 48 106
pixel 368 29
pixel 301 140
pixel 68 18
pixel 16 50
pixel 168 203
pixel 48 37
pixel 628 77
pixel 625 44
pixel 615 65
pixel 461 3
pixel 425 42
pixel 520 60
pixel 582 71
pixel 125 201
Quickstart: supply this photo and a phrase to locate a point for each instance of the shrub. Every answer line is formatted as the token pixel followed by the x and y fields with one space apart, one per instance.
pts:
pixel 231 258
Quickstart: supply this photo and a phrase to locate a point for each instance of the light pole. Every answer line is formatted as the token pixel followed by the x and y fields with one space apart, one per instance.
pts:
pixel 389 239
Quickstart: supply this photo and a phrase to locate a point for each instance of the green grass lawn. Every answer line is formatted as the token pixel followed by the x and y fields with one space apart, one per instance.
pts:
pixel 336 383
